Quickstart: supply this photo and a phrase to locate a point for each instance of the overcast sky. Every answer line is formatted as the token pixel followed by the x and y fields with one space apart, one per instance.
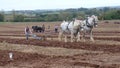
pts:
pixel 54 4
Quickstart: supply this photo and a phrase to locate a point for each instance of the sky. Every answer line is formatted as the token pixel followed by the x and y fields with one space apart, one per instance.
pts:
pixel 54 4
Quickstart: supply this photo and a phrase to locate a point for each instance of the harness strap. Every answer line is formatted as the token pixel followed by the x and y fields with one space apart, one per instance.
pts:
pixel 88 24
pixel 67 25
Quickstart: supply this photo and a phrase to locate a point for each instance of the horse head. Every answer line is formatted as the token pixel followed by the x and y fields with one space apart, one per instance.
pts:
pixel 92 21
pixel 95 20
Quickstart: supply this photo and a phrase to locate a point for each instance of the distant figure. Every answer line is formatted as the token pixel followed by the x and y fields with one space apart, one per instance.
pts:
pixel 27 32
pixel 56 28
pixel 48 26
pixel 43 28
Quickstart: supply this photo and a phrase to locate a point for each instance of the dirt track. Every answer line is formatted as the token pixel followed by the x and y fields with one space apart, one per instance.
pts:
pixel 107 41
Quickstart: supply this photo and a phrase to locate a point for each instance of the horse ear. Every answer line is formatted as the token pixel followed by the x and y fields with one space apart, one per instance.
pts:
pixel 96 17
pixel 73 19
pixel 93 16
pixel 63 20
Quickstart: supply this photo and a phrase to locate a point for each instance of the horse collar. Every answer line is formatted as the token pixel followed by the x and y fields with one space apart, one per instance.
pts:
pixel 67 26
pixel 88 24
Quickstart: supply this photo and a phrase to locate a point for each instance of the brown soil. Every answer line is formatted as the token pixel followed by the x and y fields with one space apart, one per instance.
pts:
pixel 28 60
pixel 107 40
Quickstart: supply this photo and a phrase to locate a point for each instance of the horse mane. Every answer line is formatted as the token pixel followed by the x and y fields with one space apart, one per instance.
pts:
pixel 76 23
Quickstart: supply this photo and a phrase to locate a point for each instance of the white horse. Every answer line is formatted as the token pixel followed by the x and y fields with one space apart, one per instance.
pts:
pixel 72 28
pixel 88 25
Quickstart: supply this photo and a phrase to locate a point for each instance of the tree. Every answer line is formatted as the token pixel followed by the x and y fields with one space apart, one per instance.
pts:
pixel 113 14
pixel 1 17
pixel 18 18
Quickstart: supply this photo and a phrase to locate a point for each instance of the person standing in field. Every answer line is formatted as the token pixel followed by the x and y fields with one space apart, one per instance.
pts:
pixel 56 28
pixel 48 26
pixel 27 32
pixel 43 28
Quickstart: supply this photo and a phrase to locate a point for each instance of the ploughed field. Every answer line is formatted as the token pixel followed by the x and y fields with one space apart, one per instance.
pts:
pixel 51 53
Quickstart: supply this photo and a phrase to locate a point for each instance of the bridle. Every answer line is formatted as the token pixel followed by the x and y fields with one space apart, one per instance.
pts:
pixel 89 25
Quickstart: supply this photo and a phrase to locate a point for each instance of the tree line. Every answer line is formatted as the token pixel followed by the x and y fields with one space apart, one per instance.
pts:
pixel 105 13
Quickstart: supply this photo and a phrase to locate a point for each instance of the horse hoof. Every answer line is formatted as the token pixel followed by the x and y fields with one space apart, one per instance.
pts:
pixel 71 41
pixel 84 40
pixel 78 40
pixel 92 40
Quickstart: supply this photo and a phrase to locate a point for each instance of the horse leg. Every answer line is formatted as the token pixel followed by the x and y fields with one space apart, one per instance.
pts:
pixel 60 36
pixel 91 36
pixel 78 37
pixel 66 38
pixel 72 36
pixel 84 36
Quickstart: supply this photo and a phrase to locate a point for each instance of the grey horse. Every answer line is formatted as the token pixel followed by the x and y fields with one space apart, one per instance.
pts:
pixel 88 25
pixel 71 28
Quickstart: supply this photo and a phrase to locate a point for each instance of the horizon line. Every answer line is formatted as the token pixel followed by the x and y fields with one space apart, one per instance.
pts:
pixel 58 8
